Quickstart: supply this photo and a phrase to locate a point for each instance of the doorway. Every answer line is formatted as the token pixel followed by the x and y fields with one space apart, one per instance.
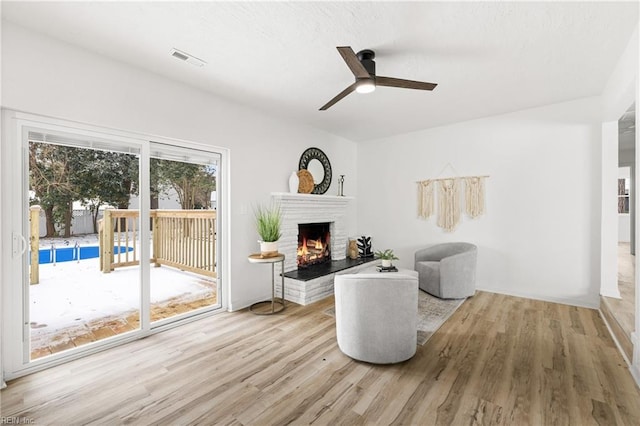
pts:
pixel 622 311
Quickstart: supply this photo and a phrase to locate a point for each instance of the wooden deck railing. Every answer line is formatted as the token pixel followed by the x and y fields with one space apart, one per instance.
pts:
pixel 184 239
pixel 117 233
pixel 34 244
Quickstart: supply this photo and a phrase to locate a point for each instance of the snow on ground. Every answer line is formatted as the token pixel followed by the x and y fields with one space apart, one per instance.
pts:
pixel 73 292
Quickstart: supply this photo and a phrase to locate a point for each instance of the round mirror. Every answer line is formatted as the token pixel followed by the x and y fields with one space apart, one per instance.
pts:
pixel 316 162
pixel 317 170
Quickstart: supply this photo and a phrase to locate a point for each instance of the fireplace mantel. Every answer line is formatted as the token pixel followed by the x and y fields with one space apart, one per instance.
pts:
pixel 309 198
pixel 311 208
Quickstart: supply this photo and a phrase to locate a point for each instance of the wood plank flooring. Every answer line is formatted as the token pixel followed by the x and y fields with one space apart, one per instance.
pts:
pixel 498 360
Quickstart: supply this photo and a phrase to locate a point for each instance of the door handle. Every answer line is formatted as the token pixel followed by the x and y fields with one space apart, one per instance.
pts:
pixel 24 245
pixel 19 245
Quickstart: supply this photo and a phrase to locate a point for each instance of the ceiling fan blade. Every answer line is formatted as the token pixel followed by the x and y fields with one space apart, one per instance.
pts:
pixel 405 84
pixel 339 96
pixel 353 62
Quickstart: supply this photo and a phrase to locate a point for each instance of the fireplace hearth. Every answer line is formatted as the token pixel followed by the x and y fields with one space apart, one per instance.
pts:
pixel 314 244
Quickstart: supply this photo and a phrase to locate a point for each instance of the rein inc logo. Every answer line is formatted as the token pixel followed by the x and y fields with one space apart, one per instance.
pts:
pixel 15 420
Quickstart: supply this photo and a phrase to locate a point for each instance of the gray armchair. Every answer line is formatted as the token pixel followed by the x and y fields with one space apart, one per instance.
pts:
pixel 447 270
pixel 377 315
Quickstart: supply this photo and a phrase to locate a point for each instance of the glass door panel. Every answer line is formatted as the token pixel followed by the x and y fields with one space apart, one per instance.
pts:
pixel 84 281
pixel 184 232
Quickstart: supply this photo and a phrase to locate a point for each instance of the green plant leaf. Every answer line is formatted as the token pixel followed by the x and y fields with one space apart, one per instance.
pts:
pixel 386 254
pixel 268 222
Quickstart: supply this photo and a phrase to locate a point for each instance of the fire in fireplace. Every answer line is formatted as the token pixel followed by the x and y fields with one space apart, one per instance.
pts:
pixel 313 244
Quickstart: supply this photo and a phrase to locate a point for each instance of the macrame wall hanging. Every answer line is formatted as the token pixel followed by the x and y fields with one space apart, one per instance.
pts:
pixel 448 194
pixel 425 199
pixel 448 204
pixel 474 196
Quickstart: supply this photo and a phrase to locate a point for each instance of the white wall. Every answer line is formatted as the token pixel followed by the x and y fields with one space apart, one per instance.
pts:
pixel 624 228
pixel 43 76
pixel 539 237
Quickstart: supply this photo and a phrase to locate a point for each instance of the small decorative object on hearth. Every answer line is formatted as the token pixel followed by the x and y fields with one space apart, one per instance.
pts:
pixel 341 186
pixel 268 222
pixel 386 256
pixel 353 249
pixel 364 246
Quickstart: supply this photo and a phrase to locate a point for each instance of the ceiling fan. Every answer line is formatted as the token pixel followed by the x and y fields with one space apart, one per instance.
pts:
pixel 363 68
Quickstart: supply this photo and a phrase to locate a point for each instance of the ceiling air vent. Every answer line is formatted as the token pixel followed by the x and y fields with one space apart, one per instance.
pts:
pixel 183 56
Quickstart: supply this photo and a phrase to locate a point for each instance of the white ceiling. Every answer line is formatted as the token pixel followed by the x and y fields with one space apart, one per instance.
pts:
pixel 487 57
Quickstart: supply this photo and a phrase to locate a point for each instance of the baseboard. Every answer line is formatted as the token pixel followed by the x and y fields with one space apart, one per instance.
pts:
pixel 244 304
pixel 613 293
pixel 635 373
pixel 561 300
pixel 635 366
pixel 623 343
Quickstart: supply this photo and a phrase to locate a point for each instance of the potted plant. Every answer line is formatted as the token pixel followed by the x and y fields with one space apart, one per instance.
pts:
pixel 268 222
pixel 386 256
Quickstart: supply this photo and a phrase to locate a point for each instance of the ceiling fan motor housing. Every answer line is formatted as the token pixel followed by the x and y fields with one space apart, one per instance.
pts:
pixel 366 58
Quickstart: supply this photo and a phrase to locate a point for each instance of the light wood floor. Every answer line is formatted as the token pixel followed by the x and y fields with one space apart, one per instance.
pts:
pixel 498 360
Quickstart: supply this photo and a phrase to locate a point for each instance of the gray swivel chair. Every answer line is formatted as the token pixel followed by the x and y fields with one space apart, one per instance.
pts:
pixel 447 270
pixel 377 315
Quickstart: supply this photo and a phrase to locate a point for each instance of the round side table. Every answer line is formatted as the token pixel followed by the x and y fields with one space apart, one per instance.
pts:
pixel 257 258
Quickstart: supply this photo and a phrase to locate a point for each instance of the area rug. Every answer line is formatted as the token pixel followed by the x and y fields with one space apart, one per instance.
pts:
pixel 432 313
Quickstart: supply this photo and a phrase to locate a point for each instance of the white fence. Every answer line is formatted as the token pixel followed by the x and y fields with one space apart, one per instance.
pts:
pixel 80 224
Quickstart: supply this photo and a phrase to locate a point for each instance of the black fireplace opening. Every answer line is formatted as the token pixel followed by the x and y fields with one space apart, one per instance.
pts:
pixel 314 244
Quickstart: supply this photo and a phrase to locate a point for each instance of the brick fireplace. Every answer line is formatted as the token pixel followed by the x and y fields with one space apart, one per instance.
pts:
pixel 311 208
pixel 303 209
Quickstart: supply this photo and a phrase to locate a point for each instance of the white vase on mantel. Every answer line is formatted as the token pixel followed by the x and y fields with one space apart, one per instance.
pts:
pixel 294 181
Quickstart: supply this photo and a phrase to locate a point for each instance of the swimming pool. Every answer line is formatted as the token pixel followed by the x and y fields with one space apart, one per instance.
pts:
pixel 68 254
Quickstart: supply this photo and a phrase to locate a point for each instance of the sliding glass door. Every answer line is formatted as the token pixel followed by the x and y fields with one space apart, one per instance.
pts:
pixel 112 237
pixel 184 228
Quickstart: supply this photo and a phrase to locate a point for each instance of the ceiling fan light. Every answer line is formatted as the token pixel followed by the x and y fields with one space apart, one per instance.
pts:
pixel 365 86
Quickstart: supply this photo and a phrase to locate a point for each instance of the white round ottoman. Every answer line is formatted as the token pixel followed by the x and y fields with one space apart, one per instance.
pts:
pixel 377 315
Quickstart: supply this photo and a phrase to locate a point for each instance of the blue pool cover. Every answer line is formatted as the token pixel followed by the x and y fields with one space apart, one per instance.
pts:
pixel 67 254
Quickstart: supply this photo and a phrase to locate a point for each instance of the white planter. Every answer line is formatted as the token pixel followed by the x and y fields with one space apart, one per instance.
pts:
pixel 386 263
pixel 268 248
